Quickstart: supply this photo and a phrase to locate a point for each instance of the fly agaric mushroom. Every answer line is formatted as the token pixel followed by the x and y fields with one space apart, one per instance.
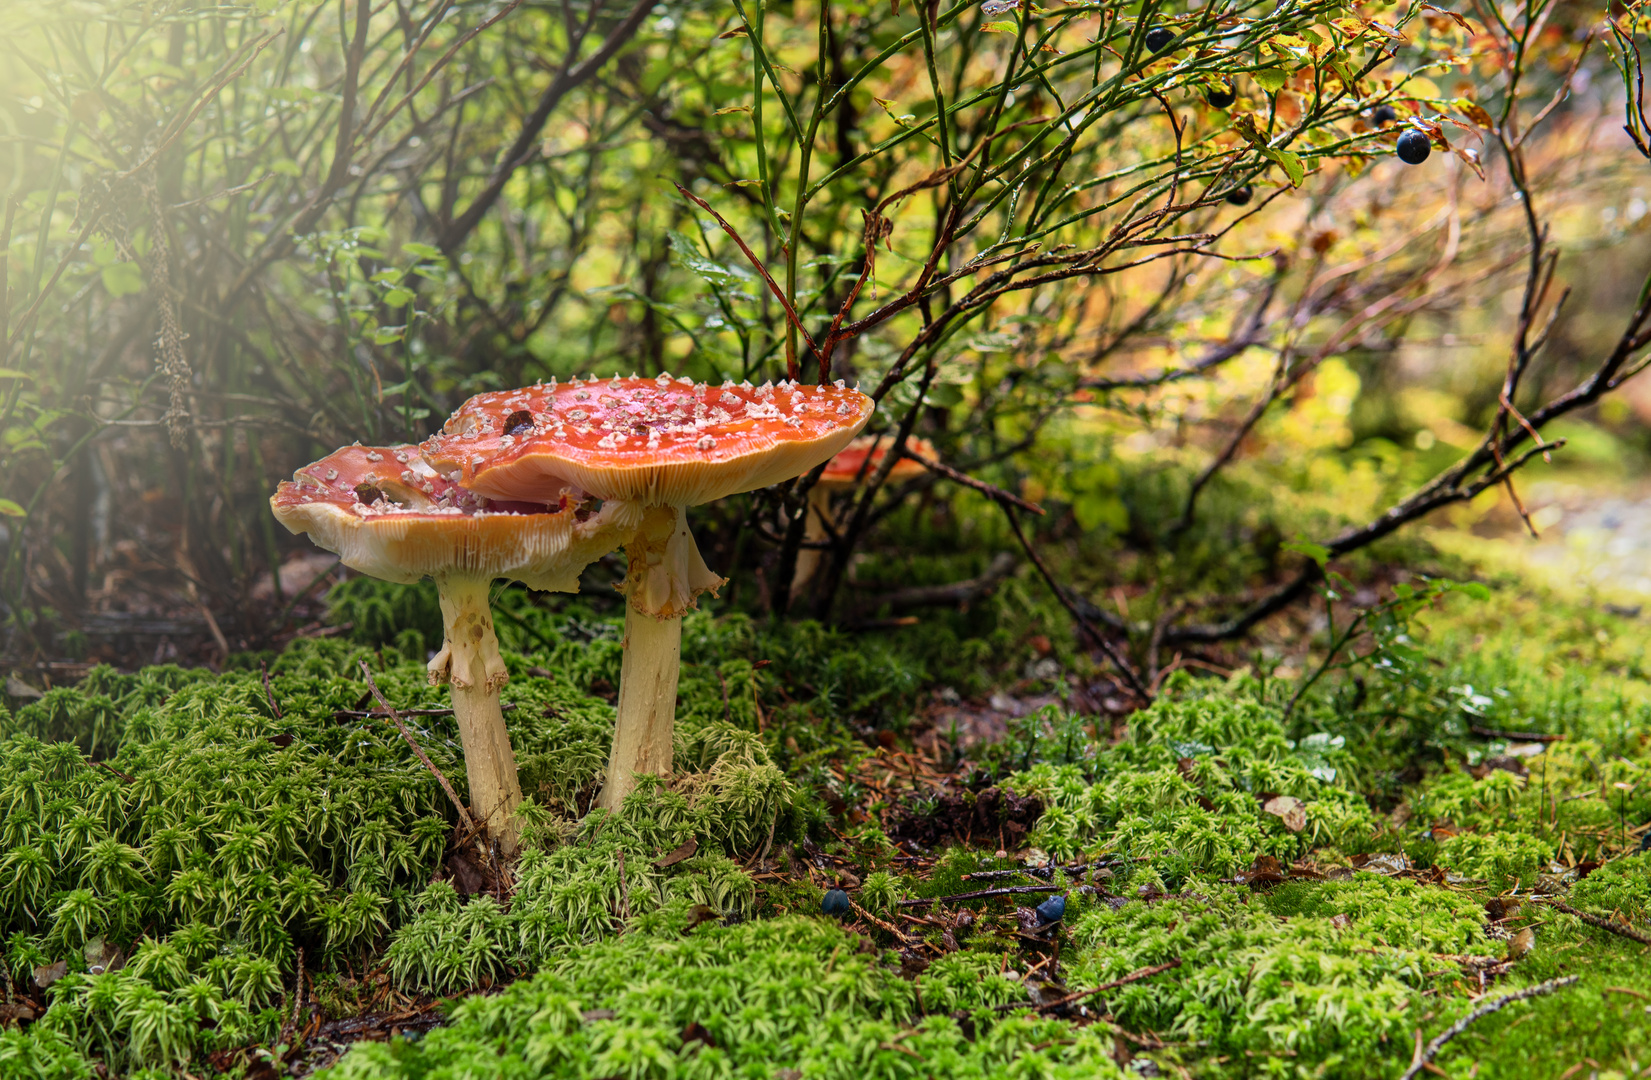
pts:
pixel 662 445
pixel 845 472
pixel 388 514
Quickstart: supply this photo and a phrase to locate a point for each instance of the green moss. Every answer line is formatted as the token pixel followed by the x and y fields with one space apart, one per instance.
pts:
pixel 1622 886
pixel 1187 790
pixel 789 992
pixel 1281 977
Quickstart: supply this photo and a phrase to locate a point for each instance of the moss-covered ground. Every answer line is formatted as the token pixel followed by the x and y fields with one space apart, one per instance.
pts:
pixel 248 873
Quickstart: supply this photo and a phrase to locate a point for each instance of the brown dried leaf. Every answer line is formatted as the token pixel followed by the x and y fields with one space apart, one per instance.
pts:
pixel 1288 809
pixel 46 974
pixel 686 851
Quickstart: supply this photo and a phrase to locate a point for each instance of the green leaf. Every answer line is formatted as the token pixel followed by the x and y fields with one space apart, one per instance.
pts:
pixel 1270 79
pixel 422 251
pixel 399 297
pixel 1475 589
pixel 1317 552
pixel 386 335
pixel 685 253
pixel 11 509
pixel 122 279
pixel 13 373
pixel 1291 164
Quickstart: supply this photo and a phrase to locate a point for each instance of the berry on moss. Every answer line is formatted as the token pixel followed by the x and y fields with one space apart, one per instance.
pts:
pixel 1160 38
pixel 835 903
pixel 1414 147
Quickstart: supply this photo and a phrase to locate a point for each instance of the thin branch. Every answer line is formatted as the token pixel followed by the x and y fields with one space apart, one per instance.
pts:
pixel 1066 601
pixel 991 491
pixel 1425 1055
pixel 1604 924
pixel 793 370
pixel 1134 976
pixel 464 815
pixel 983 894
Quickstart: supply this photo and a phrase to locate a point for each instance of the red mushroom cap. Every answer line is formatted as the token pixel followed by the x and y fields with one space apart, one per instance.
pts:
pixel 387 513
pixel 850 468
pixel 659 441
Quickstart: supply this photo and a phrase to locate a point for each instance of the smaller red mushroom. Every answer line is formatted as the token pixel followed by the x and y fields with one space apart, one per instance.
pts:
pixel 848 470
pixel 389 514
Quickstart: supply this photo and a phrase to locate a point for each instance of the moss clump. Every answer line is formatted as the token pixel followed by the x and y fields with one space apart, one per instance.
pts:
pixel 1280 978
pixel 1499 857
pixel 1187 791
pixel 1621 886
pixel 786 993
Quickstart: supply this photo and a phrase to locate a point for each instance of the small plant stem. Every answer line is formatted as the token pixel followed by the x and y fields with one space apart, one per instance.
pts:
pixel 469 660
pixel 1336 646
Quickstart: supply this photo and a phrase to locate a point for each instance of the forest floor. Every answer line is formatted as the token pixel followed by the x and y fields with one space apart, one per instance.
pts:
pixel 251 873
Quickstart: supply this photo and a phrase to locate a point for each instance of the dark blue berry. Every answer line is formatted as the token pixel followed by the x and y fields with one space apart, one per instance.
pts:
pixel 1159 39
pixel 1241 195
pixel 1052 909
pixel 1414 147
pixel 1221 97
pixel 835 904
pixel 1384 115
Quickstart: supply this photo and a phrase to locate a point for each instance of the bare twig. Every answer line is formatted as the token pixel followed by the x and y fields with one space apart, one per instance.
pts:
pixel 991 491
pixel 1425 1055
pixel 1134 976
pixel 269 692
pixel 1519 736
pixel 773 286
pixel 344 714
pixel 464 815
pixel 983 894
pixel 1604 924
pixel 1101 642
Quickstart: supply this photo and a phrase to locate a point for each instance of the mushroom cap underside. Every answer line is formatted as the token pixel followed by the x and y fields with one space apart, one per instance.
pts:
pixel 649 441
pixel 357 503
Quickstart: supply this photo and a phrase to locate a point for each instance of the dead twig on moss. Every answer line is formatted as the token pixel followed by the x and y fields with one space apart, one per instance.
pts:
pixel 464 815
pixel 1604 924
pixel 1008 890
pixel 1134 976
pixel 1425 1055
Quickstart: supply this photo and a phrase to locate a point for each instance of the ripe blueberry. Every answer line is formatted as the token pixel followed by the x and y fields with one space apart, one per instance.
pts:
pixel 1241 195
pixel 835 903
pixel 1383 115
pixel 1221 97
pixel 1052 909
pixel 1414 147
pixel 1159 39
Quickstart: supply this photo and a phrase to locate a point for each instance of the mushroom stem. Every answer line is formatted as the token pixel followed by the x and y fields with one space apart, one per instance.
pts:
pixel 664 574
pixel 469 659
pixel 647 703
pixel 815 530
